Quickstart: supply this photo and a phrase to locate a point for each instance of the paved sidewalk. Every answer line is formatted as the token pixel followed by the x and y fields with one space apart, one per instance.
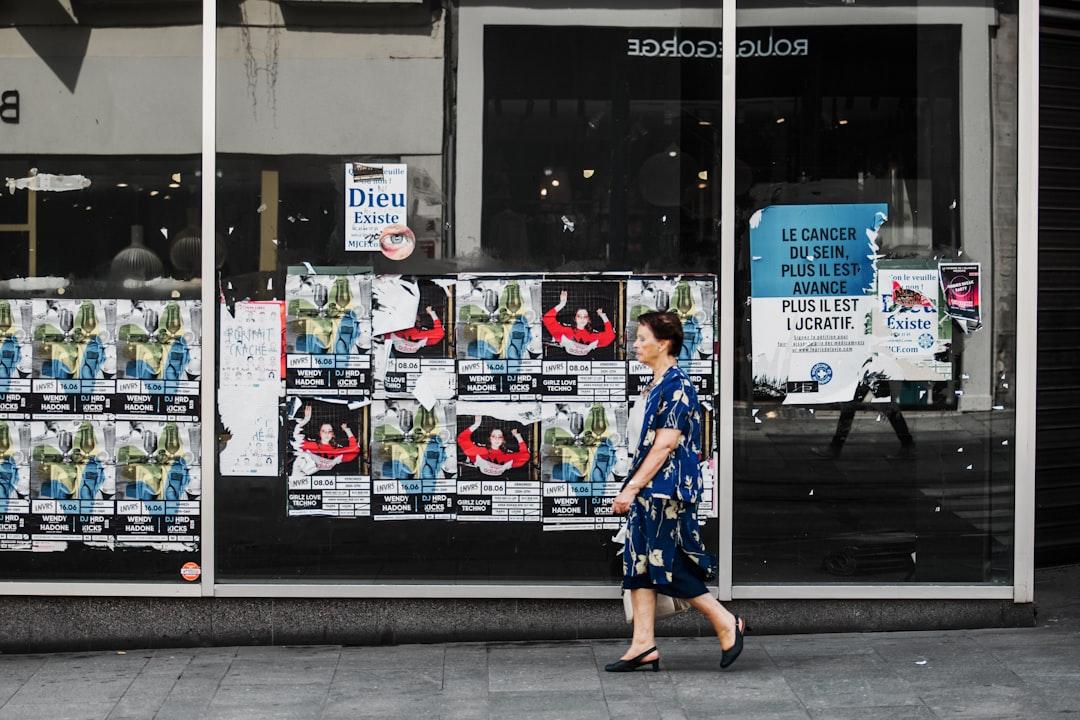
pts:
pixel 1022 673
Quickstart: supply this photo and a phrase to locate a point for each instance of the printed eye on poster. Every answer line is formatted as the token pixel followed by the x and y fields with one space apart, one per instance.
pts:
pixel 376 198
pixel 813 282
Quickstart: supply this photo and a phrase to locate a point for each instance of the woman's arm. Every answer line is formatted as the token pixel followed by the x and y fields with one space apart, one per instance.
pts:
pixel 553 326
pixel 607 335
pixel 520 457
pixel 666 441
pixel 465 442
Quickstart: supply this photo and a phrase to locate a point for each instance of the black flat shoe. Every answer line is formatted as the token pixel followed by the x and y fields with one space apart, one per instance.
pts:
pixel 634 663
pixel 731 654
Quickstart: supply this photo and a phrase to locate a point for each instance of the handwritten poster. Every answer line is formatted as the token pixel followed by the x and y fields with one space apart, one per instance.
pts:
pixel 250 383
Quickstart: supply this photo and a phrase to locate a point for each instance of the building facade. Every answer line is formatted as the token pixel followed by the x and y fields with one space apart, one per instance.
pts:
pixel 399 378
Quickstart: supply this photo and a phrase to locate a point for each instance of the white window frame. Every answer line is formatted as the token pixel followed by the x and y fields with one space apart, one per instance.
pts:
pixel 472 18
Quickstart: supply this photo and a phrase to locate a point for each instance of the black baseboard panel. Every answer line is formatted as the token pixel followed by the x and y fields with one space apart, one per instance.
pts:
pixel 46 624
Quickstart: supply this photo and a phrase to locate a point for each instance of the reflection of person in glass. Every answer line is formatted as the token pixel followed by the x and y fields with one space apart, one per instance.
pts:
pixel 579 339
pixel 325 452
pixel 493 459
pixel 664 551
pixel 413 339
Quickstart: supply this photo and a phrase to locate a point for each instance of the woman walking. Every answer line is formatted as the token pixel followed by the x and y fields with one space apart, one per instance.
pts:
pixel 664 551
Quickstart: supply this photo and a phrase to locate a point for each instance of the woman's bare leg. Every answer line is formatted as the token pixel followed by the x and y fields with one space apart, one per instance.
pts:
pixel 644 602
pixel 719 617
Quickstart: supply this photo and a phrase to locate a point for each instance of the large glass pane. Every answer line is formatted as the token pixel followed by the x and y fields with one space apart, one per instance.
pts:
pixel 337 121
pixel 876 246
pixel 100 312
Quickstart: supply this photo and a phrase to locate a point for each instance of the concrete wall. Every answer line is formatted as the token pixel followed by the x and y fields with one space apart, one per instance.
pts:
pixel 357 80
pixel 338 82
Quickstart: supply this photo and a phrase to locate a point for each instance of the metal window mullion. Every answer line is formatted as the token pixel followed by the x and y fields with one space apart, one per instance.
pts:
pixel 1027 311
pixel 207 408
pixel 725 463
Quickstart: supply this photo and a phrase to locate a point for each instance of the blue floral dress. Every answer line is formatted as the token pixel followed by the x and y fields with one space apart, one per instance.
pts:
pixel 663 517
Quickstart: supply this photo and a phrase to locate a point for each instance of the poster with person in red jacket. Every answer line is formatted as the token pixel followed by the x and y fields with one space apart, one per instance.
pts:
pixel 403 355
pixel 583 353
pixel 498 461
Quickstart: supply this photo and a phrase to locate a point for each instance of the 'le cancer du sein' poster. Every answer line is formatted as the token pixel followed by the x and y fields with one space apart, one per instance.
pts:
pixel 813 283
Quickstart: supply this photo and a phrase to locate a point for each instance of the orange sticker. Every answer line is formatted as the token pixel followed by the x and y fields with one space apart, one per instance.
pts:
pixel 190 571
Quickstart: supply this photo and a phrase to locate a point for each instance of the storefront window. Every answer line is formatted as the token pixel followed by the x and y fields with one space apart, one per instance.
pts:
pixel 874 344
pixel 373 470
pixel 100 312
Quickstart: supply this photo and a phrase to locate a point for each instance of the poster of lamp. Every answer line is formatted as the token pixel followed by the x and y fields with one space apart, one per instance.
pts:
pixel 584 460
pixel 693 299
pixel 499 338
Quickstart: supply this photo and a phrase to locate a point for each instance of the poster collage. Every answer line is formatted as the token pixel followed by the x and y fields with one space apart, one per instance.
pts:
pixel 100 435
pixel 475 398
pixel 833 317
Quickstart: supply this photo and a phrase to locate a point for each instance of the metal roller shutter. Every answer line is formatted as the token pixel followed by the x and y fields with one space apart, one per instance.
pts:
pixel 1057 463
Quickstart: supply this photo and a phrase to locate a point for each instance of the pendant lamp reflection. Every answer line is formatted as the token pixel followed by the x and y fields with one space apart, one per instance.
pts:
pixel 185 252
pixel 136 261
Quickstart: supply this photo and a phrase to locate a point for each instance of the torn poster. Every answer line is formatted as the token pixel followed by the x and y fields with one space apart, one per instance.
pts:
pixel 16 353
pixel 422 343
pixel 812 289
pixel 328 465
pixel 250 383
pixel 912 333
pixel 14 485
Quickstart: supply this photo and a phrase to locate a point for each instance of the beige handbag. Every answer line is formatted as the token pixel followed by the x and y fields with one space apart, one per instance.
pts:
pixel 666 606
